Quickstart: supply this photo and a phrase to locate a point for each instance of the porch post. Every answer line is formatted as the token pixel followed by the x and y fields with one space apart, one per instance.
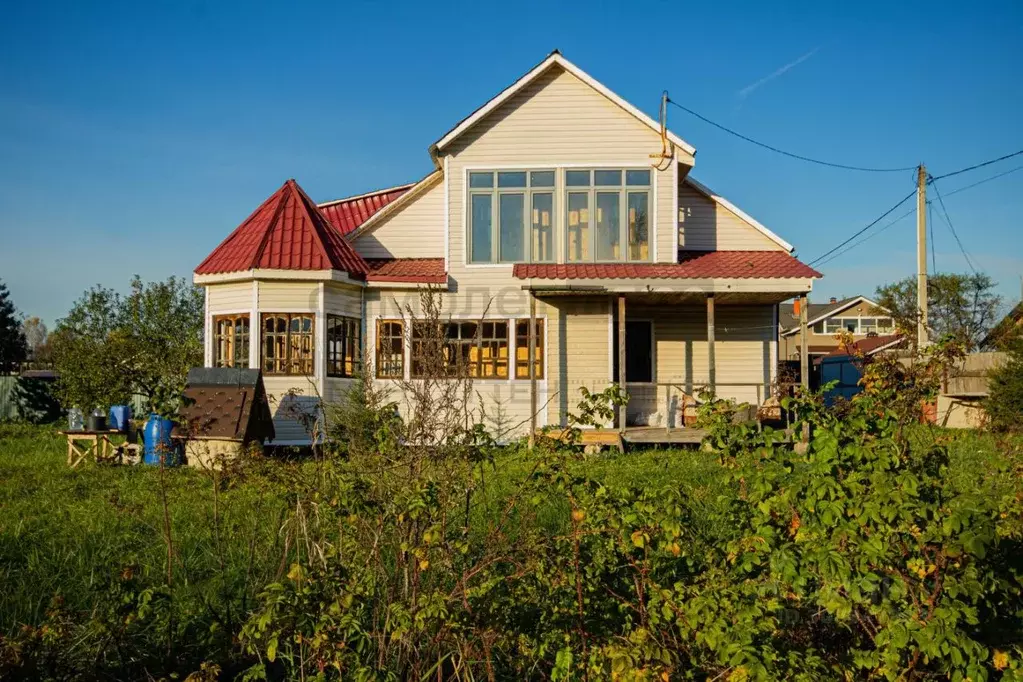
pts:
pixel 804 352
pixel 531 363
pixel 622 411
pixel 711 365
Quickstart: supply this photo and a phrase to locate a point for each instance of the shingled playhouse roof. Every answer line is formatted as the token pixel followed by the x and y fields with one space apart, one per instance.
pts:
pixel 287 232
pixel 691 265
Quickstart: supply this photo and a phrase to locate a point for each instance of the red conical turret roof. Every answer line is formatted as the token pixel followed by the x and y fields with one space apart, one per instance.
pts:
pixel 287 232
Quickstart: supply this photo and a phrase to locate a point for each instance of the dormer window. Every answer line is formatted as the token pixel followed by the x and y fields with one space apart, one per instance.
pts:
pixel 511 216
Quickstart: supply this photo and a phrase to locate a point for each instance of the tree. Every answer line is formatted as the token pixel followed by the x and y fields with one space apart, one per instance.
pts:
pixel 12 340
pixel 111 346
pixel 36 335
pixel 962 306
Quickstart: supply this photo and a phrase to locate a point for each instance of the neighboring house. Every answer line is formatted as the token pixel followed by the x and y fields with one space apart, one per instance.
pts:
pixel 844 365
pixel 556 201
pixel 857 315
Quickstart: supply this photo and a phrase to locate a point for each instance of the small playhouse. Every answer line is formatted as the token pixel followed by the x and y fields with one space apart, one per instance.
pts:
pixel 225 410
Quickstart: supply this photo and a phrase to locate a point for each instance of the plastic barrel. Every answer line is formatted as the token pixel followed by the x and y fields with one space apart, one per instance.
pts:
pixel 159 446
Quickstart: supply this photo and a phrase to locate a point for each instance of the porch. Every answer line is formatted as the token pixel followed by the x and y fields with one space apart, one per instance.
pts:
pixel 667 349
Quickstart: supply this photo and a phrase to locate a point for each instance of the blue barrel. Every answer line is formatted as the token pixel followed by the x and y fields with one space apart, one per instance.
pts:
pixel 159 446
pixel 120 415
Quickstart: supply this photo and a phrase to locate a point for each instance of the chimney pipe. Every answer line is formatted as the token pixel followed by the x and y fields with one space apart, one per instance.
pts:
pixel 795 308
pixel 834 300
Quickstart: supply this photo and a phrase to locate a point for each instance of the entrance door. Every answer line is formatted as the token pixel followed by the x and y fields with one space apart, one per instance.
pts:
pixel 639 351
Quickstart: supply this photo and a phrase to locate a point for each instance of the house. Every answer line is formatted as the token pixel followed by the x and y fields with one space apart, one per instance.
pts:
pixel 844 365
pixel 559 213
pixel 857 315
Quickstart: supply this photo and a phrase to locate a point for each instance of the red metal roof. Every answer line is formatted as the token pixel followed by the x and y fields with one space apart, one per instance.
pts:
pixel 286 232
pixel 413 270
pixel 348 214
pixel 691 265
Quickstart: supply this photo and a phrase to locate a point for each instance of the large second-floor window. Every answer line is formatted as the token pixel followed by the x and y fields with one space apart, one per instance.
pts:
pixel 608 215
pixel 511 216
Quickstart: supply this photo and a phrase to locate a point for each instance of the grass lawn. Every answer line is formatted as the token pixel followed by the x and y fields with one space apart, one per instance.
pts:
pixel 73 534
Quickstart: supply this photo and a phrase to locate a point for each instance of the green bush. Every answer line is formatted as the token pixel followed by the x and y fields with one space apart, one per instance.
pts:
pixel 1005 399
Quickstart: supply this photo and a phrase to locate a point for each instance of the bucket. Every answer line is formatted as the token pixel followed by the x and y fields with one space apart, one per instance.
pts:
pixel 97 421
pixel 120 416
pixel 158 444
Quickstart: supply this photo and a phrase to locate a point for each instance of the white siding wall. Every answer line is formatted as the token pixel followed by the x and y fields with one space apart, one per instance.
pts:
pixel 234 297
pixel 416 230
pixel 705 225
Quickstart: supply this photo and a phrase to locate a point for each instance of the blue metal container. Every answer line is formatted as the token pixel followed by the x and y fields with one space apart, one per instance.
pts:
pixel 159 446
pixel 120 415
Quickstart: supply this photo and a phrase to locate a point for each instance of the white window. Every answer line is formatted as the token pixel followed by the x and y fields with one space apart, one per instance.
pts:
pixel 511 216
pixel 608 215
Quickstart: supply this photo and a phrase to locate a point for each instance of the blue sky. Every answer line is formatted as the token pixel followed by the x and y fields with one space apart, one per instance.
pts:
pixel 135 136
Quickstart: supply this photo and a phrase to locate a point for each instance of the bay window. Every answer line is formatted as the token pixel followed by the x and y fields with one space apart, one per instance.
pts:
pixel 511 216
pixel 231 340
pixel 288 343
pixel 344 346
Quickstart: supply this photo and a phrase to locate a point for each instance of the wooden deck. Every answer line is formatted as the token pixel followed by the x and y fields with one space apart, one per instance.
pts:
pixel 638 435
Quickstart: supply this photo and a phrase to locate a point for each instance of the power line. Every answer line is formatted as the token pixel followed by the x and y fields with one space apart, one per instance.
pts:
pixel 948 221
pixel 981 182
pixel 789 154
pixel 868 237
pixel 976 166
pixel 862 230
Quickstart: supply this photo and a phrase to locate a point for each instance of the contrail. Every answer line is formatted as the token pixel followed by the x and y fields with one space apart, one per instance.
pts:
pixel 750 88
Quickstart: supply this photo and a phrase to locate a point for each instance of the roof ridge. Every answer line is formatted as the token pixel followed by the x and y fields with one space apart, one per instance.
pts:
pixel 385 190
pixel 324 230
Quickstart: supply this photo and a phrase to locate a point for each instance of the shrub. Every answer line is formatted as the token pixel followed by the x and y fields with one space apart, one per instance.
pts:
pixel 1005 400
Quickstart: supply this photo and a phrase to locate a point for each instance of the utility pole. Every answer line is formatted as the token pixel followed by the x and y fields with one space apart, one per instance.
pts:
pixel 921 256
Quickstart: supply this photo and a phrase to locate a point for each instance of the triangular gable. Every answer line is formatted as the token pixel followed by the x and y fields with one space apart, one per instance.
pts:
pixel 415 190
pixel 555 58
pixel 745 217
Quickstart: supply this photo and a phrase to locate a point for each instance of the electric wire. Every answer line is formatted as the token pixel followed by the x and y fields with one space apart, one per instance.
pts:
pixel 981 182
pixel 785 153
pixel 976 166
pixel 862 230
pixel 951 227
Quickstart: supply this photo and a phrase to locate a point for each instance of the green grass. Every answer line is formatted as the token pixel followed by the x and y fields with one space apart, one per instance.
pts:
pixel 73 533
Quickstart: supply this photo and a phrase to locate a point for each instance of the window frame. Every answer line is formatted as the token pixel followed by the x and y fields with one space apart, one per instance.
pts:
pixel 495 191
pixel 477 340
pixel 842 320
pixel 624 191
pixel 377 365
pixel 287 336
pixel 541 350
pixel 351 327
pixel 240 361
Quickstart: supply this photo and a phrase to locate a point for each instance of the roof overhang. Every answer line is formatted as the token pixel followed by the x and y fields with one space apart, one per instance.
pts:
pixel 553 59
pixel 757 225
pixel 338 276
pixel 781 288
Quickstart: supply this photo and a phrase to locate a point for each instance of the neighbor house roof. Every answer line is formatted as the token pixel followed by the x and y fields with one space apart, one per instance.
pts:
pixel 691 265
pixel 407 270
pixel 554 58
pixel 868 346
pixel 287 232
pixel 348 214
pixel 816 312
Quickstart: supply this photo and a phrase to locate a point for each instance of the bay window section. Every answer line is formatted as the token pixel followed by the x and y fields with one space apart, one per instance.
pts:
pixel 510 216
pixel 618 226
pixel 344 346
pixel 287 343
